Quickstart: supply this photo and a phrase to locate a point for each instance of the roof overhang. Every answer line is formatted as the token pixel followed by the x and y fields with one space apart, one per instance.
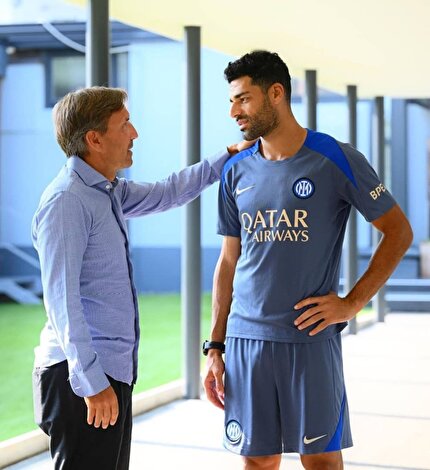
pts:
pixel 379 45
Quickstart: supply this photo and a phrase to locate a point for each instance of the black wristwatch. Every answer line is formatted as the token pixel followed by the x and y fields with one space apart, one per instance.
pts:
pixel 212 345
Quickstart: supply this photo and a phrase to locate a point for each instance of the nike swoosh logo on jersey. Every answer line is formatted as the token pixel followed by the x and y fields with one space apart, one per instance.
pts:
pixel 309 441
pixel 240 191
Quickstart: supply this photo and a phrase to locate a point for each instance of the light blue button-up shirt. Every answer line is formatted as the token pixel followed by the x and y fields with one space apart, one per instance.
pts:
pixel 80 233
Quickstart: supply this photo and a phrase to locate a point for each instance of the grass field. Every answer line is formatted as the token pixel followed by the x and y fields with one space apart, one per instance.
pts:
pixel 159 355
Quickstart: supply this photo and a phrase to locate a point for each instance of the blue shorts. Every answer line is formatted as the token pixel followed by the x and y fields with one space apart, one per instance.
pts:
pixel 285 397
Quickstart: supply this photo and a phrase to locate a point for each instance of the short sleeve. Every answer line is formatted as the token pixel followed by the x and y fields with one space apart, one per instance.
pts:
pixel 228 218
pixel 363 188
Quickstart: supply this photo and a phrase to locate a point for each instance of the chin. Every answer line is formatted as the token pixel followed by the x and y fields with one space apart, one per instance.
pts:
pixel 247 136
pixel 129 160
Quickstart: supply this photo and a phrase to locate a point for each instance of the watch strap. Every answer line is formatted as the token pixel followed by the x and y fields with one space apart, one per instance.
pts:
pixel 212 345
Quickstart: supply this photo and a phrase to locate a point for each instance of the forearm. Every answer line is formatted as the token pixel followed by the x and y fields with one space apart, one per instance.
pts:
pixel 221 300
pixel 387 256
pixel 329 309
pixel 179 188
pixel 222 292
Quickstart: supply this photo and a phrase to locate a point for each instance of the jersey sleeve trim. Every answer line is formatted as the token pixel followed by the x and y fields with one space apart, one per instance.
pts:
pixel 329 148
pixel 233 160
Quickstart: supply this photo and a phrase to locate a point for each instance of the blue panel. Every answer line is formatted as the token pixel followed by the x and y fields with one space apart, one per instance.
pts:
pixel 329 148
pixel 335 443
pixel 233 160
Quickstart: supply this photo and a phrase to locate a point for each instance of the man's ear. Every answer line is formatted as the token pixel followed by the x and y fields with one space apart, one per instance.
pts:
pixel 277 93
pixel 93 141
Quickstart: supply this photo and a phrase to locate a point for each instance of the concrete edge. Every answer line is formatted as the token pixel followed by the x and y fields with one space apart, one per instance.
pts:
pixel 34 442
pixel 22 447
pixel 158 396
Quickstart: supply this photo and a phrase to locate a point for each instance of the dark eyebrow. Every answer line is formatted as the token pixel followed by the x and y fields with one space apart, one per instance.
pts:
pixel 239 95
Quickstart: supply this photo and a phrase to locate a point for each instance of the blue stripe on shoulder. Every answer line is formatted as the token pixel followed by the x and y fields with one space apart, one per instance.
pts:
pixel 233 160
pixel 336 441
pixel 329 148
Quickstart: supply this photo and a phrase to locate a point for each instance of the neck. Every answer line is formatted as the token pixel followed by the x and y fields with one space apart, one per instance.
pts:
pixel 284 141
pixel 100 166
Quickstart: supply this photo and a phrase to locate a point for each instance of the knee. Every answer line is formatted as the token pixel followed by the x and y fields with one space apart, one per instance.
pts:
pixel 327 461
pixel 269 462
pixel 321 466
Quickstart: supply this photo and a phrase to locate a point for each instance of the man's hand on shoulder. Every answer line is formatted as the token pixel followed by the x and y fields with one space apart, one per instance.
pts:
pixel 244 144
pixel 103 408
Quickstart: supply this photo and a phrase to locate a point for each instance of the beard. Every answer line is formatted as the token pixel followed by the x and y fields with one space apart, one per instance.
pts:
pixel 262 123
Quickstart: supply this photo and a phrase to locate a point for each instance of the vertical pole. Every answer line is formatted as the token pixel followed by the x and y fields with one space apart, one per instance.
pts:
pixel 399 152
pixel 379 166
pixel 310 99
pixel 3 65
pixel 97 44
pixel 351 259
pixel 3 59
pixel 191 240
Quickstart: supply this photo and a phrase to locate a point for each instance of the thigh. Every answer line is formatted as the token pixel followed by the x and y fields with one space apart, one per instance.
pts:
pixel 62 415
pixel 124 394
pixel 313 402
pixel 108 448
pixel 252 425
pixel 58 412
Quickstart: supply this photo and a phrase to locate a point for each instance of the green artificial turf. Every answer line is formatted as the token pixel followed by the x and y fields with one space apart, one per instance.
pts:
pixel 20 326
pixel 160 353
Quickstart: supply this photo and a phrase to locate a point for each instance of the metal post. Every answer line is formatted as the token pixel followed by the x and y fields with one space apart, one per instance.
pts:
pixel 310 99
pixel 399 152
pixel 351 258
pixel 190 253
pixel 3 65
pixel 3 59
pixel 379 166
pixel 97 44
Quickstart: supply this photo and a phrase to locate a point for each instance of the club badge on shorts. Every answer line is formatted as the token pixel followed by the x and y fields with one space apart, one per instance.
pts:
pixel 233 431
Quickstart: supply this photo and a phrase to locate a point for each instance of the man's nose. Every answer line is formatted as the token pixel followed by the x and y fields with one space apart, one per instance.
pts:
pixel 234 110
pixel 134 134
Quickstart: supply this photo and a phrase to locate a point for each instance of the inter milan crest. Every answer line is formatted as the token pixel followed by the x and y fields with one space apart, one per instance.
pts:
pixel 303 188
pixel 233 431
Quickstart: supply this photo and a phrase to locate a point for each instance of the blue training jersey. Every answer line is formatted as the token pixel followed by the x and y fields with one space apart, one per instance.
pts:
pixel 291 217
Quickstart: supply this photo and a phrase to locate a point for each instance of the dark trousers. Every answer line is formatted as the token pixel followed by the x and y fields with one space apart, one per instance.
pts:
pixel 74 444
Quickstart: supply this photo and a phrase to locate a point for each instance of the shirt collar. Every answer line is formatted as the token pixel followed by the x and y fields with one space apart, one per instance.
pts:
pixel 88 174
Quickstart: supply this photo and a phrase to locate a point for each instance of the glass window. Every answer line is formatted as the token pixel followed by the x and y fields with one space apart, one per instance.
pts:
pixel 66 72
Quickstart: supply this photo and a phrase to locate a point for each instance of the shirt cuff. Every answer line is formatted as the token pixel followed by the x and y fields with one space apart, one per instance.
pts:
pixel 89 383
pixel 218 161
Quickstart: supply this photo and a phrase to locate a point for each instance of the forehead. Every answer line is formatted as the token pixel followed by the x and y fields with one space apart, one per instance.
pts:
pixel 118 116
pixel 242 85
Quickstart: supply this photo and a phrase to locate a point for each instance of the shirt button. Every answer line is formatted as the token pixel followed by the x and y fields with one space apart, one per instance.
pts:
pixel 108 186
